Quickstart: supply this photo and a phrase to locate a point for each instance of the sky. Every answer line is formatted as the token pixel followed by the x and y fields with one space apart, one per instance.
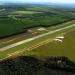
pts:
pixel 30 1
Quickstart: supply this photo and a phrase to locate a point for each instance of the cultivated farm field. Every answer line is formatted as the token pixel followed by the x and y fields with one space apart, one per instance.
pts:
pixel 17 20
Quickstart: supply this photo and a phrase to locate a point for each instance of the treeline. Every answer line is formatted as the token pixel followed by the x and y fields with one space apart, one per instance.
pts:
pixel 60 63
pixel 26 65
pixel 33 26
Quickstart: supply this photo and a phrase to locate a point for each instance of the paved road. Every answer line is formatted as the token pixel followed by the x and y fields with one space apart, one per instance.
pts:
pixel 31 39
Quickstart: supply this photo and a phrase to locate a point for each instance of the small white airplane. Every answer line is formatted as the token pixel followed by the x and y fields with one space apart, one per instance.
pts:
pixel 58 40
pixel 60 37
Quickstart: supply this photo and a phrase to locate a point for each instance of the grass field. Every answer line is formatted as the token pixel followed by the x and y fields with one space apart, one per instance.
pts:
pixel 51 46
pixel 9 26
pixel 29 35
pixel 29 42
pixel 13 21
pixel 66 48
pixel 25 12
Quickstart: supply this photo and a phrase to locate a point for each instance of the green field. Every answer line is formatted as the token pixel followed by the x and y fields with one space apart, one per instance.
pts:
pixel 37 52
pixel 14 21
pixel 66 48
pixel 37 40
pixel 25 12
pixel 36 30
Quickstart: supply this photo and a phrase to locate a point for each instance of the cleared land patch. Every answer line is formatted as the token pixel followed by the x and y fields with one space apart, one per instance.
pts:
pixel 25 12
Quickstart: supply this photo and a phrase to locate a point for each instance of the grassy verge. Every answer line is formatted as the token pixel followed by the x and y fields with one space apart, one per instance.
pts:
pixel 66 48
pixel 26 36
pixel 32 43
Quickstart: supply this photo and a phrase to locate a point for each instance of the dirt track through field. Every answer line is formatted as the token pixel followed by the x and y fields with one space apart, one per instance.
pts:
pixel 34 38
